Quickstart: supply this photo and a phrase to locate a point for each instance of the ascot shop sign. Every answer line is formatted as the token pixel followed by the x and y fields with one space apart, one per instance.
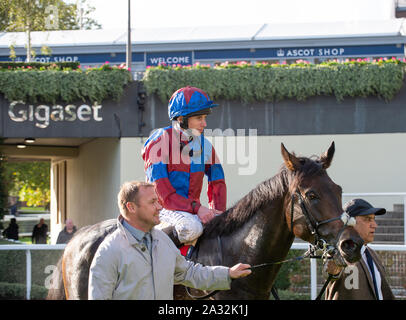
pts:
pixel 310 52
pixel 42 114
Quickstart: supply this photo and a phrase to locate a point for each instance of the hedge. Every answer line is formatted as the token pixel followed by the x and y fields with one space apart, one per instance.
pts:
pixel 3 187
pixel 264 82
pixel 18 291
pixel 68 85
pixel 8 65
pixel 13 265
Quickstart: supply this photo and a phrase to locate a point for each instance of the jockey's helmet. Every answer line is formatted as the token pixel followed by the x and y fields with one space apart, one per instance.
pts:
pixel 188 102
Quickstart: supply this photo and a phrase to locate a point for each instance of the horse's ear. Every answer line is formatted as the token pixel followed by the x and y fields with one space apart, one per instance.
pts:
pixel 327 157
pixel 291 162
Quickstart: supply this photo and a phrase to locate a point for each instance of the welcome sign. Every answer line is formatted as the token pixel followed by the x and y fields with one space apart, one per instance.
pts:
pixel 169 58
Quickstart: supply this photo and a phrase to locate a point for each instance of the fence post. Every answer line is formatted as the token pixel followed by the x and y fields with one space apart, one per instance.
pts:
pixel 404 220
pixel 28 271
pixel 313 279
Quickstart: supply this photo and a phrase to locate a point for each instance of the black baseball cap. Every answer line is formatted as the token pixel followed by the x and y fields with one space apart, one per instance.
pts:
pixel 360 207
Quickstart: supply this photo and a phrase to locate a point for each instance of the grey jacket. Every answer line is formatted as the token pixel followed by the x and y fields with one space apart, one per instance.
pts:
pixel 121 270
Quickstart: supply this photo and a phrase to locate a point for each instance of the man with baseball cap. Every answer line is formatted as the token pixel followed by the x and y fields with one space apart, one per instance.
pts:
pixel 364 280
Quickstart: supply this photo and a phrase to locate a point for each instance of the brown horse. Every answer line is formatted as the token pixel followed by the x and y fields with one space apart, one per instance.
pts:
pixel 301 200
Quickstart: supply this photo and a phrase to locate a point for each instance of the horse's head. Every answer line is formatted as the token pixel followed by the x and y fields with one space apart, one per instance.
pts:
pixel 313 206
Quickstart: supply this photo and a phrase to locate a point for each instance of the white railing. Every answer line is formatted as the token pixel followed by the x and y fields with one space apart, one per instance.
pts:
pixel 382 247
pixel 313 262
pixel 27 248
pixel 299 246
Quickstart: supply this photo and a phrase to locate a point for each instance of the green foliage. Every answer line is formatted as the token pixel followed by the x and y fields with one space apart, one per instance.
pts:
pixel 30 181
pixel 67 66
pixel 13 265
pixel 40 15
pixel 3 186
pixel 13 273
pixel 284 278
pixel 50 86
pixel 18 291
pixel 274 82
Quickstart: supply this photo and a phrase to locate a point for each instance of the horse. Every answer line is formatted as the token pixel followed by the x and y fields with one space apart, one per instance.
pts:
pixel 300 201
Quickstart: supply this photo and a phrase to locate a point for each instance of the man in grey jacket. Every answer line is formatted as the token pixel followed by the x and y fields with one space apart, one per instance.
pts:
pixel 140 262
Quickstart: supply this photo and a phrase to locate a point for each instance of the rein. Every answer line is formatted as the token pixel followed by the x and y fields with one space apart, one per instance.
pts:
pixel 327 250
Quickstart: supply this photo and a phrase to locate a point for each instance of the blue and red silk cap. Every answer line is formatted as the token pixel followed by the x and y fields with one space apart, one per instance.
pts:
pixel 188 100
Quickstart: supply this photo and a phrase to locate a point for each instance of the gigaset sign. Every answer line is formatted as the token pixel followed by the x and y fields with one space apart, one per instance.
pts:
pixel 42 114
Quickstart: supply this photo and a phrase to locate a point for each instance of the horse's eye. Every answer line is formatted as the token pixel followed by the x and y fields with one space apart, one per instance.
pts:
pixel 311 195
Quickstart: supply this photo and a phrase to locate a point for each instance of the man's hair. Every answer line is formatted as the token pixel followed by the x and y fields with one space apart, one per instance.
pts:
pixel 129 193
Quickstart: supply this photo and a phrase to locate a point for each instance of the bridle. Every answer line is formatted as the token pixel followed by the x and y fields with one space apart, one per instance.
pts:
pixel 320 245
pixel 328 250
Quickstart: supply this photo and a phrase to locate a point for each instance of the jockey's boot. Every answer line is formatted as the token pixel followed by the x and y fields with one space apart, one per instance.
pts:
pixel 173 235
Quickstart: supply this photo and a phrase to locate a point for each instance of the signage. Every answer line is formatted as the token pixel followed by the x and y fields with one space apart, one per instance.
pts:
pixel 82 58
pixel 41 115
pixel 73 119
pixel 169 58
pixel 301 52
pixel 190 57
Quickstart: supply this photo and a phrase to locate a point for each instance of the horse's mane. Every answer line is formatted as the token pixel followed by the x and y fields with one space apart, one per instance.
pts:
pixel 264 193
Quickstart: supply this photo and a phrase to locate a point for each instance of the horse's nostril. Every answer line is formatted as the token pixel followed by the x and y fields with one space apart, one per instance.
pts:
pixel 348 245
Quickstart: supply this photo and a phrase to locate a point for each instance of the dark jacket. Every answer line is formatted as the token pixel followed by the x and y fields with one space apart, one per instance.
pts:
pixel 64 236
pixel 11 232
pixel 39 234
pixel 338 290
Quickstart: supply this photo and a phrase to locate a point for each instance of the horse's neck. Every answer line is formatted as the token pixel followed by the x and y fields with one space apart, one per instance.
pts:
pixel 267 234
pixel 265 238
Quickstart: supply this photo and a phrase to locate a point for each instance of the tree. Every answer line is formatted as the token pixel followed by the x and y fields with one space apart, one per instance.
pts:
pixel 3 186
pixel 41 15
pixel 30 181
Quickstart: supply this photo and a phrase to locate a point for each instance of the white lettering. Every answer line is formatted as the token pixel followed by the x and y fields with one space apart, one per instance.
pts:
pixel 70 109
pixel 22 113
pixel 42 115
pixel 169 310
pixel 48 280
pixel 52 18
pixel 31 113
pixel 57 113
pixel 84 112
pixel 96 109
pixel 352 280
pixel 154 60
pixel 170 60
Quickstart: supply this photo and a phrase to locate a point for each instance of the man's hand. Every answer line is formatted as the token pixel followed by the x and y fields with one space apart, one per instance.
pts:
pixel 240 270
pixel 205 214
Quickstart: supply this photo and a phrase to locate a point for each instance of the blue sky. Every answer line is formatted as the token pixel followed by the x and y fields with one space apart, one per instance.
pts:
pixel 181 13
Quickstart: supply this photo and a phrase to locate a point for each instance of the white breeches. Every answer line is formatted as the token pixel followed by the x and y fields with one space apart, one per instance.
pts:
pixel 187 225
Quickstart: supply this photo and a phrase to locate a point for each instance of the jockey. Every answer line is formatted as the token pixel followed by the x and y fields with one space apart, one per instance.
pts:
pixel 176 159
